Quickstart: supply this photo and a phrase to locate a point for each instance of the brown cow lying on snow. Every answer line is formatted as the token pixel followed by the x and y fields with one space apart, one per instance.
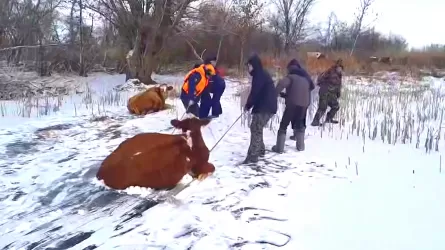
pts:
pixel 159 161
pixel 149 101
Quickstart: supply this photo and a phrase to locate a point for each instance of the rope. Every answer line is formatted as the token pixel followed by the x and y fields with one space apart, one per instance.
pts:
pixel 227 131
pixel 176 192
pixel 185 112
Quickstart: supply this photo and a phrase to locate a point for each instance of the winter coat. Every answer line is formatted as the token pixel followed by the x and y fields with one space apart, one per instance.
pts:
pixel 298 70
pixel 196 80
pixel 298 88
pixel 217 84
pixel 193 80
pixel 262 97
pixel 330 81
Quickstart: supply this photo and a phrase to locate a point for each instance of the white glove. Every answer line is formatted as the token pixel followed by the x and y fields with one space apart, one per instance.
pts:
pixel 191 102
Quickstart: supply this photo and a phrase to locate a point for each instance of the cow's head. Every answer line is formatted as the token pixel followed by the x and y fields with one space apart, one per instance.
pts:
pixel 162 90
pixel 190 124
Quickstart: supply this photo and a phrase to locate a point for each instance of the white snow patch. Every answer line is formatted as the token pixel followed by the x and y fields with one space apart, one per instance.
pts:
pixel 343 192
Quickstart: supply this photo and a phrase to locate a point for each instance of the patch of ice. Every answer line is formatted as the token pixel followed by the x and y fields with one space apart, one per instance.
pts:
pixel 342 192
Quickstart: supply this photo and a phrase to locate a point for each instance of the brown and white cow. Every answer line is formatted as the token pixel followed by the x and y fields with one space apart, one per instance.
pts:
pixel 149 101
pixel 158 161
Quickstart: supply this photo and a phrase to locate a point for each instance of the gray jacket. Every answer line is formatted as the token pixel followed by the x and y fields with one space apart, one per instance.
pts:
pixel 298 90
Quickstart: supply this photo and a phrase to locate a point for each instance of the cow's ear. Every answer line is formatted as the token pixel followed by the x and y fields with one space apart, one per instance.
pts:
pixel 175 123
pixel 169 88
pixel 204 122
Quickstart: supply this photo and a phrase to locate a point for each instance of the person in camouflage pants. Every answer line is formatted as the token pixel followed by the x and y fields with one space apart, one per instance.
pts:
pixel 257 147
pixel 262 102
pixel 329 93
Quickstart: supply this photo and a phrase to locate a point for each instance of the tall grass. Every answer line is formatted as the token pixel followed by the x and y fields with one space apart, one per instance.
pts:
pixel 400 113
pixel 410 114
pixel 95 104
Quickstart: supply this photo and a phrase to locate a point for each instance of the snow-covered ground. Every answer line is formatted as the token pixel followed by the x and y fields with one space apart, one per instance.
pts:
pixel 348 190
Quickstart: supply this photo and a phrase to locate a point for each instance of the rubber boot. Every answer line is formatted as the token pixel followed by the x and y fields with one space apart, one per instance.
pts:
pixel 316 120
pixel 299 136
pixel 292 137
pixel 279 146
pixel 330 117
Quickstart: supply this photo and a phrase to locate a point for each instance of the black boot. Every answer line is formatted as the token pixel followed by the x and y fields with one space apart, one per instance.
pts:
pixel 330 116
pixel 299 135
pixel 316 120
pixel 292 137
pixel 262 152
pixel 250 159
pixel 279 146
pixel 316 123
pixel 331 121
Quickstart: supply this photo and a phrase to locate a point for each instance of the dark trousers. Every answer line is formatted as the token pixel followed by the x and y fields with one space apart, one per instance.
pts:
pixel 296 115
pixel 216 102
pixel 193 109
pixel 206 104
pixel 326 100
pixel 257 147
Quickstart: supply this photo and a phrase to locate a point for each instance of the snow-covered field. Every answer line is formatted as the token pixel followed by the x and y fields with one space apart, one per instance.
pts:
pixel 353 188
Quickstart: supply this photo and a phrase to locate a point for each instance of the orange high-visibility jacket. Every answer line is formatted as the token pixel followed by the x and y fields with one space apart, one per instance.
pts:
pixel 203 83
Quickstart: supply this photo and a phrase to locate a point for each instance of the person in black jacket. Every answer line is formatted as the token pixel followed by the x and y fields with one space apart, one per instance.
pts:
pixel 262 101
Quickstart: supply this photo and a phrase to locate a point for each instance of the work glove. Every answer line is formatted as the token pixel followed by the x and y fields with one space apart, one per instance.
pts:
pixel 283 95
pixel 246 109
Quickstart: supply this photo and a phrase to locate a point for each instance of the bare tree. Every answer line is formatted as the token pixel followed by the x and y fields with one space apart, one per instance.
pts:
pixel 290 21
pixel 360 16
pixel 330 29
pixel 146 25
pixel 82 71
pixel 224 18
pixel 248 19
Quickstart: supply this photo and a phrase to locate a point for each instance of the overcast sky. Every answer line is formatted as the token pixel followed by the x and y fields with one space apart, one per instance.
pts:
pixel 418 21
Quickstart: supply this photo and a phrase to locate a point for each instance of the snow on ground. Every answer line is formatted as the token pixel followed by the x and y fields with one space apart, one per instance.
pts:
pixel 343 192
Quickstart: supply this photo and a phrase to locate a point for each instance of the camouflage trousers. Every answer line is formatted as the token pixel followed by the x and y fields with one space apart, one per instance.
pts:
pixel 257 147
pixel 326 100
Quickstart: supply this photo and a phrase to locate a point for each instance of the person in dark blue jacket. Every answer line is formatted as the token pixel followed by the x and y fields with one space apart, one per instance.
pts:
pixel 206 98
pixel 262 101
pixel 195 87
pixel 217 88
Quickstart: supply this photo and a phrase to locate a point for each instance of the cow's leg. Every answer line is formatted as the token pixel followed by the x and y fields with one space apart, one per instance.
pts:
pixel 166 106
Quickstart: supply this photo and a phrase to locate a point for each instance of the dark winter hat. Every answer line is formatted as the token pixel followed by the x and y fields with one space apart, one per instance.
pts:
pixel 293 62
pixel 255 61
pixel 208 59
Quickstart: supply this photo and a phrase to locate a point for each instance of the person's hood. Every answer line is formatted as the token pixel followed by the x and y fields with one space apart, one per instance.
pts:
pixel 294 70
pixel 255 61
pixel 293 63
pixel 208 59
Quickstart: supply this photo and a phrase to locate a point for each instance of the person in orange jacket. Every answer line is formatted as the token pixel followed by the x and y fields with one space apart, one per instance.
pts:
pixel 216 88
pixel 196 83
